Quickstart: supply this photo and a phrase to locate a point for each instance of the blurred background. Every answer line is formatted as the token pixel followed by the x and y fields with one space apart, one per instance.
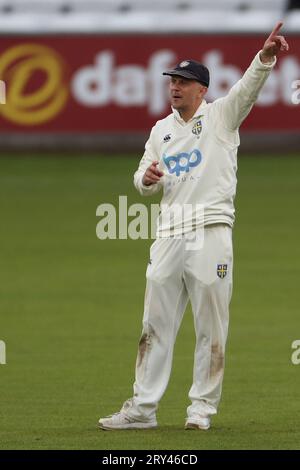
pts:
pixel 83 89
pixel 87 73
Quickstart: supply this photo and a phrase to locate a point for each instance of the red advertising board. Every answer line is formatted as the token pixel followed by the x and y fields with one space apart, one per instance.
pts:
pixel 114 83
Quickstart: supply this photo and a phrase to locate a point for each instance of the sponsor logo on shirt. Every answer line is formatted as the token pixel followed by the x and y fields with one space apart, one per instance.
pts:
pixel 167 138
pixel 182 162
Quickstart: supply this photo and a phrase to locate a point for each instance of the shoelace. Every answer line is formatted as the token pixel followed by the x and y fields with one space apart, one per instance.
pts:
pixel 119 413
pixel 114 414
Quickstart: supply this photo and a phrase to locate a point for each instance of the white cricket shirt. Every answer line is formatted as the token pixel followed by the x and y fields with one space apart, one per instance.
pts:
pixel 199 157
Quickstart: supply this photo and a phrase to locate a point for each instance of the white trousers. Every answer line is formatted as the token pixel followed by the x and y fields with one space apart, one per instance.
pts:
pixel 176 274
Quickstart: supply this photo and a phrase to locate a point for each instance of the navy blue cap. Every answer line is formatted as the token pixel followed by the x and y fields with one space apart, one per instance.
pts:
pixel 191 69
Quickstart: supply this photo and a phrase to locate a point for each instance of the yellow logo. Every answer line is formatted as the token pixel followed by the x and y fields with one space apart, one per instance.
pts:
pixel 35 90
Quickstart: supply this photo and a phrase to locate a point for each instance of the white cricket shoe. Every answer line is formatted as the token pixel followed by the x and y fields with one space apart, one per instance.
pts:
pixel 198 422
pixel 121 421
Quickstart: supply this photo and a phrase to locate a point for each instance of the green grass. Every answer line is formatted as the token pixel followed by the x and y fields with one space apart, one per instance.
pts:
pixel 71 310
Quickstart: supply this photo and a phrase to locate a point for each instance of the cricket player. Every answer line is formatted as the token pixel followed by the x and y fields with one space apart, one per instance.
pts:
pixel 192 156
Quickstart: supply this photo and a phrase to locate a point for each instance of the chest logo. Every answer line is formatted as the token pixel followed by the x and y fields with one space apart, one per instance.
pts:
pixel 197 128
pixel 167 138
pixel 182 162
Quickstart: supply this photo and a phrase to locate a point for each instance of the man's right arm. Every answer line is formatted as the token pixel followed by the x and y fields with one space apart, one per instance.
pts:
pixel 147 178
pixel 235 107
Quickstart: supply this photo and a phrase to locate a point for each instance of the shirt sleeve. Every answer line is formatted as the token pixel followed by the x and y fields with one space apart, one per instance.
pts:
pixel 236 106
pixel 150 155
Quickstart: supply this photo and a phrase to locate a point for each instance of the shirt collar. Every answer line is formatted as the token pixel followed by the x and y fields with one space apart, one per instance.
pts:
pixel 198 112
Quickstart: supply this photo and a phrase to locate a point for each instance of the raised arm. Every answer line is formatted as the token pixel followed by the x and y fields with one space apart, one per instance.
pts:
pixel 235 107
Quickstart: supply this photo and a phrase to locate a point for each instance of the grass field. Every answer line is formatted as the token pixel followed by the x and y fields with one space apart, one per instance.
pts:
pixel 71 311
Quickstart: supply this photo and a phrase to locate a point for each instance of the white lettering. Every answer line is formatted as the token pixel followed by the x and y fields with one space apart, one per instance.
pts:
pixel 224 76
pixel 107 227
pixel 176 221
pixel 2 92
pixel 130 86
pixel 114 460
pixel 104 83
pixel 288 74
pixel 2 352
pixel 158 89
pixel 296 94
pixel 123 217
pixel 296 354
pixel 141 221
pixel 155 210
pixel 91 85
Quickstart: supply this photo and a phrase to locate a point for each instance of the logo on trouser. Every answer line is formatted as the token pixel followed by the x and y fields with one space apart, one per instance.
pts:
pixel 222 270
pixel 182 162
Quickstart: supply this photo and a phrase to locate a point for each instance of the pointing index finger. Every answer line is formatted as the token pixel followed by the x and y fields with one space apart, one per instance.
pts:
pixel 276 29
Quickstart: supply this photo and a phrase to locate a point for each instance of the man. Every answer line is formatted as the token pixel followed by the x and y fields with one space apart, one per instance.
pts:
pixel 191 154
